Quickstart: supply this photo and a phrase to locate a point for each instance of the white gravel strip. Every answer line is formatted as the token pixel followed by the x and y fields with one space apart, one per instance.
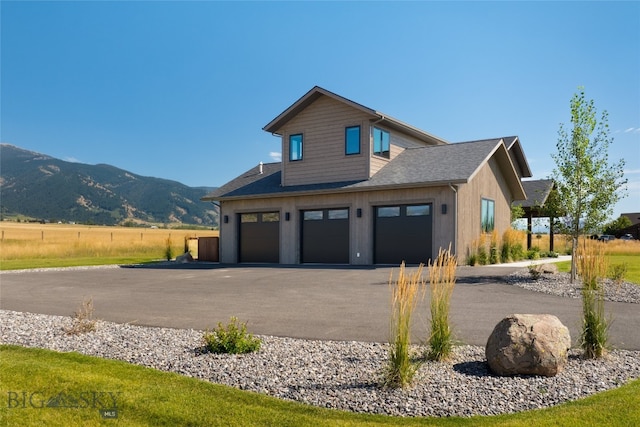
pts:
pixel 559 284
pixel 340 375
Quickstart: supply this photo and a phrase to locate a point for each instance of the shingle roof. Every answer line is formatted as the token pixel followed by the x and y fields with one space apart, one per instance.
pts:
pixel 537 192
pixel 424 166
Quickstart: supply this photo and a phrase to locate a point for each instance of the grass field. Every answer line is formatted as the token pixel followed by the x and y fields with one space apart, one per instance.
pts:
pixel 146 397
pixel 24 245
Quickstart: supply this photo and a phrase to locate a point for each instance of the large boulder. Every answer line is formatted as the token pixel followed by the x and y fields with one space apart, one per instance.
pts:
pixel 528 344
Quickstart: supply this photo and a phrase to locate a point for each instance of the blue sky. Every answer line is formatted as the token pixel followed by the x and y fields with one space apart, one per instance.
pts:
pixel 181 90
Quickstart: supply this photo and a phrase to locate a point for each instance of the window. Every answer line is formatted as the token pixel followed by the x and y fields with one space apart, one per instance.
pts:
pixel 271 217
pixel 295 147
pixel 313 215
pixel 487 215
pixel 249 218
pixel 338 214
pixel 381 142
pixel 418 210
pixel 388 211
pixel 352 140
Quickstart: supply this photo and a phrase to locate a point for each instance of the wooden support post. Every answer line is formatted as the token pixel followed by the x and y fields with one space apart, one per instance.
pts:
pixel 529 229
pixel 551 233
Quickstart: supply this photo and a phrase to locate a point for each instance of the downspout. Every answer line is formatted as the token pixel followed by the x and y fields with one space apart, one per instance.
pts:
pixel 455 219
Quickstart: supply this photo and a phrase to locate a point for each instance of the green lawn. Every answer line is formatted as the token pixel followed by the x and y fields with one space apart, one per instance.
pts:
pixel 147 397
pixel 20 264
pixel 632 262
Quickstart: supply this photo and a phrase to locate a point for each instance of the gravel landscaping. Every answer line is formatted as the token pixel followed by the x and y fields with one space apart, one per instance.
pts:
pixel 559 284
pixel 331 374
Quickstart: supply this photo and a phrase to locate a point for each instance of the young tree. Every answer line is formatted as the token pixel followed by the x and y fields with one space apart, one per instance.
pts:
pixel 588 186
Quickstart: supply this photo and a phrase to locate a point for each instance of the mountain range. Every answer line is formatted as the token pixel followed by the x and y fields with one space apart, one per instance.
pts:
pixel 38 186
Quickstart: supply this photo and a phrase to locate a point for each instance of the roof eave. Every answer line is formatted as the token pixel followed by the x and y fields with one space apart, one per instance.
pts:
pixel 276 124
pixel 350 189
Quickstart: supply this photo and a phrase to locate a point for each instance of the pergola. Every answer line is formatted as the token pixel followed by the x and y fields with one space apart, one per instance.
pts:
pixel 537 192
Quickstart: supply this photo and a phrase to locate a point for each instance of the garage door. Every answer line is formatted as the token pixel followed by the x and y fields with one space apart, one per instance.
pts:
pixel 259 237
pixel 402 233
pixel 325 236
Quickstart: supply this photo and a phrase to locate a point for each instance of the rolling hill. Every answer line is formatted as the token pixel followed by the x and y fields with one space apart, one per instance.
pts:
pixel 41 187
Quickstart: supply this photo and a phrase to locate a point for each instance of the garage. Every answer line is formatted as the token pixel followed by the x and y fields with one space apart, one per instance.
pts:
pixel 325 236
pixel 259 237
pixel 403 233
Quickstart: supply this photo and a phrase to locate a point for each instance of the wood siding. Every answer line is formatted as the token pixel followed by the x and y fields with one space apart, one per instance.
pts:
pixel 399 143
pixel 361 229
pixel 322 125
pixel 488 183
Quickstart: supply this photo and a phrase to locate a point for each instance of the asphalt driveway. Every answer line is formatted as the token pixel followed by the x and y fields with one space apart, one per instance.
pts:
pixel 334 303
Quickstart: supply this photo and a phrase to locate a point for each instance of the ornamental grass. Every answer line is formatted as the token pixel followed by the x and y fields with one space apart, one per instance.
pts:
pixel 592 269
pixel 405 292
pixel 442 280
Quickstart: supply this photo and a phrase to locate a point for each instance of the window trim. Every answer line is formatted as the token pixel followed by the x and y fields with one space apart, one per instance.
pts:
pixel 300 147
pixel 488 223
pixel 346 140
pixel 384 154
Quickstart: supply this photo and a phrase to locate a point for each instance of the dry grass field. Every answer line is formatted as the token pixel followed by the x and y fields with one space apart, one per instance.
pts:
pixel 562 244
pixel 29 245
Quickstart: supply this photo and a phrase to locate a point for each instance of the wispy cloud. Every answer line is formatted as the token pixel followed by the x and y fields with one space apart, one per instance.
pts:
pixel 275 156
pixel 628 130
pixel 631 171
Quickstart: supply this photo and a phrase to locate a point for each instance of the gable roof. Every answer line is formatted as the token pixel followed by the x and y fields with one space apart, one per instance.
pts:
pixel 517 153
pixel 414 167
pixel 537 192
pixel 316 92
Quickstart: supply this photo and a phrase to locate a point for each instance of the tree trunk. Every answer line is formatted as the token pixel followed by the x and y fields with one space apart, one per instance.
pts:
pixel 574 259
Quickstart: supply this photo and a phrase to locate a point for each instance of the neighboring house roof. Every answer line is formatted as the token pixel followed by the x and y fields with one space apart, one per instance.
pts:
pixel 633 216
pixel 537 192
pixel 414 167
pixel 307 99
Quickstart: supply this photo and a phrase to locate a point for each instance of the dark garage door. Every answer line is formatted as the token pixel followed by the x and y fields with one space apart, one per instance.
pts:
pixel 325 236
pixel 402 233
pixel 259 238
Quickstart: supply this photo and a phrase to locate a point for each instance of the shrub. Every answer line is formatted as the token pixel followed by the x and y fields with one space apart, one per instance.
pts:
pixel 232 339
pixel 82 319
pixel 618 273
pixel 505 252
pixel 483 257
pixel 592 267
pixel 442 279
pixel 472 259
pixel 517 252
pixel 168 250
pixel 533 253
pixel 400 368
pixel 494 254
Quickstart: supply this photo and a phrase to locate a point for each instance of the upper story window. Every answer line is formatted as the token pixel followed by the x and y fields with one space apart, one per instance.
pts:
pixel 381 142
pixel 352 140
pixel 487 215
pixel 295 147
